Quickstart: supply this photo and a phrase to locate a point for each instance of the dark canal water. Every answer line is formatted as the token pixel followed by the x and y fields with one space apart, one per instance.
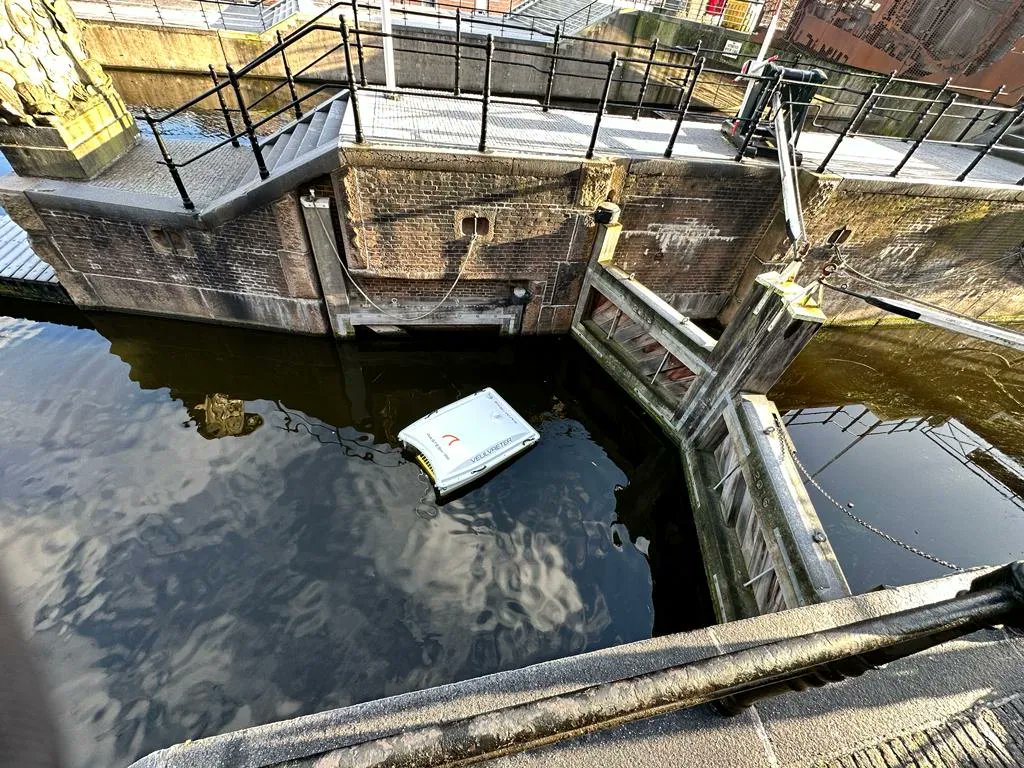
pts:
pixel 921 430
pixel 184 573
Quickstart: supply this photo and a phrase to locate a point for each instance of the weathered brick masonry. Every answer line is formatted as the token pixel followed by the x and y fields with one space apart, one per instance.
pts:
pixel 956 246
pixel 689 228
pixel 253 270
pixel 403 214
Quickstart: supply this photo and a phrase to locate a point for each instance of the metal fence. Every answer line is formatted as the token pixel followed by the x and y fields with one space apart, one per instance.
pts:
pixel 236 15
pixel 675 70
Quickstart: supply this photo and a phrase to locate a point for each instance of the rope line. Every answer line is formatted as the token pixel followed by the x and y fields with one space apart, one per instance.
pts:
pixel 462 268
pixel 791 451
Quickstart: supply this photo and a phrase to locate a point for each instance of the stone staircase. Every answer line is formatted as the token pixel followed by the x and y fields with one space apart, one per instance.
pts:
pixel 575 15
pixel 294 144
pixel 301 151
pixel 255 17
pixel 1011 146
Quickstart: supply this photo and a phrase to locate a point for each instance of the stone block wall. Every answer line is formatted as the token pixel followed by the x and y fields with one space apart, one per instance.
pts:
pixel 689 228
pixel 403 214
pixel 255 270
pixel 954 245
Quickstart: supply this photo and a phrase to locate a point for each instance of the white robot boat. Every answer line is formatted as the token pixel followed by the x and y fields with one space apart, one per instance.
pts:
pixel 461 442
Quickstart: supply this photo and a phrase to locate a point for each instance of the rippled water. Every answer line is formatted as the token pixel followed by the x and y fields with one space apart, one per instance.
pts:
pixel 921 431
pixel 206 528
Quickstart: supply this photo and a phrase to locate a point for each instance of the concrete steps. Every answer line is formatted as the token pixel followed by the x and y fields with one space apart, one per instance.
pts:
pixel 575 15
pixel 296 154
pixel 294 143
pixel 1011 146
pixel 256 17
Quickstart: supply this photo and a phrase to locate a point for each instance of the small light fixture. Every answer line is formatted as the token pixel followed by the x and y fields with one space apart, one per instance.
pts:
pixel 521 295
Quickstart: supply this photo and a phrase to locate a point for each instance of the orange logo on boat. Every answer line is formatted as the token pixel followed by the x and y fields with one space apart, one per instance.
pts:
pixel 453 440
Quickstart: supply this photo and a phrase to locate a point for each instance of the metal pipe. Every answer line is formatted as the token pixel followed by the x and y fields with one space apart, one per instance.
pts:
pixel 864 108
pixel 981 112
pixel 603 104
pixel 683 107
pixel 175 176
pixel 224 108
pixel 359 42
pixel 733 680
pixel 995 140
pixel 254 142
pixel 458 50
pixel 487 93
pixel 647 77
pixel 352 91
pixel 753 120
pixel 289 79
pixel 551 69
pixel 921 139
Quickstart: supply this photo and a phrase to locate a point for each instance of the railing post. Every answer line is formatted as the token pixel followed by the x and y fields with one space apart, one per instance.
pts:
pixel 290 79
pixel 551 69
pixel 254 142
pixel 458 51
pixel 995 140
pixel 924 112
pixel 865 106
pixel 175 176
pixel 921 139
pixel 487 93
pixel 683 105
pixel 881 95
pixel 612 60
pixel 228 122
pixel 981 112
pixel 359 43
pixel 352 92
pixel 647 76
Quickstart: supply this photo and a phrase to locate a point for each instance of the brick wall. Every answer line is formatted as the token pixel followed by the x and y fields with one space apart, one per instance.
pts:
pixel 690 228
pixel 402 214
pixel 955 246
pixel 233 273
pixel 241 256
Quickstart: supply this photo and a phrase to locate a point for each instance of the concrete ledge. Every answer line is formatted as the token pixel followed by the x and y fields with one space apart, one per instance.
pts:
pixel 965 190
pixel 463 161
pixel 705 737
pixel 109 203
pixel 277 313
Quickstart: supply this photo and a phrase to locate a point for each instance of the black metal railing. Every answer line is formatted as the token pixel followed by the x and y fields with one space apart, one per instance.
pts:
pixel 674 72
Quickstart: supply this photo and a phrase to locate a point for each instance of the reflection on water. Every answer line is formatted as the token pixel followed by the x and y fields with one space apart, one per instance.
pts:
pixel 178 586
pixel 920 430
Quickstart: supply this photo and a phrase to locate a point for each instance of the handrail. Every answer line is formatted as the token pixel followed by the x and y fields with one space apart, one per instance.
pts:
pixel 676 67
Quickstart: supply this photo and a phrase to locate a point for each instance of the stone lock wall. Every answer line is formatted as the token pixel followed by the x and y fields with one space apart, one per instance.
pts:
pixel 689 228
pixel 956 246
pixel 403 213
pixel 255 270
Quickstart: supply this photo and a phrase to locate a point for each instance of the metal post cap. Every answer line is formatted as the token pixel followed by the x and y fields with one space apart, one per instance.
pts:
pixel 607 213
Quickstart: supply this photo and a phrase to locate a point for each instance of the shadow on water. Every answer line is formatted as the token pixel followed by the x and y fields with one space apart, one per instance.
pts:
pixel 207 528
pixel 919 430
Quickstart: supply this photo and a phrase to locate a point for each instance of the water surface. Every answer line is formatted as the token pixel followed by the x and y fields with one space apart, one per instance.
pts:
pixel 920 430
pixel 206 528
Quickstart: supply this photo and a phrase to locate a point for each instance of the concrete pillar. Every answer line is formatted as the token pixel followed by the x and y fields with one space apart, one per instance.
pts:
pixel 60 114
pixel 316 211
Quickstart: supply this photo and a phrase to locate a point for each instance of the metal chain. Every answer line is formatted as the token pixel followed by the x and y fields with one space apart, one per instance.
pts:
pixel 791 450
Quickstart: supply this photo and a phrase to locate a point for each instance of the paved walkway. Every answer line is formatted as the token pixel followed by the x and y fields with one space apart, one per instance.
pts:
pixel 433 121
